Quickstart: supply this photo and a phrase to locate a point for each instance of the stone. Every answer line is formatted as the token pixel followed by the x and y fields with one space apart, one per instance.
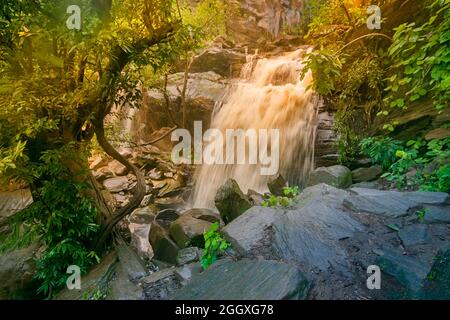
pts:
pixel 160 285
pixel 164 247
pixel 147 200
pixel 132 266
pixel 118 168
pixel 116 185
pixel 97 162
pixel 167 215
pixel 103 173
pixel 410 272
pixel 231 201
pixel 390 203
pixel 437 214
pixel 204 214
pixel 142 216
pixel 188 255
pixel 17 269
pixel 169 203
pixel 414 234
pixel 12 202
pixel 438 133
pixel 276 185
pixel 139 226
pixel 220 61
pixel 337 176
pixel 367 174
pixel 246 280
pixel 437 283
pixel 310 234
pixel 250 230
pixel 255 198
pixel 188 229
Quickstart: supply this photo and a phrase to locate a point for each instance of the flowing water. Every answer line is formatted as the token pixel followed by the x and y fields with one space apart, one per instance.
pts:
pixel 270 96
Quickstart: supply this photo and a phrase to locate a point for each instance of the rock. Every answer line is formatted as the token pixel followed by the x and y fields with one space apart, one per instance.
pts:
pixel 188 229
pixel 204 214
pixel 231 201
pixel 414 234
pixel 97 162
pixel 310 234
pixel 17 269
pixel 250 230
pixel 439 133
pixel 409 272
pixel 437 214
pixel 188 255
pixel 125 152
pixel 220 61
pixel 131 264
pixel 391 203
pixel 167 215
pixel 12 202
pixel 139 226
pixel 367 174
pixel 276 185
pixel 103 173
pixel 366 185
pixel 246 280
pixel 116 185
pixel 118 168
pixel 337 176
pixel 147 200
pixel 255 198
pixel 164 247
pixel 160 285
pixel 154 174
pixel 169 203
pixel 437 283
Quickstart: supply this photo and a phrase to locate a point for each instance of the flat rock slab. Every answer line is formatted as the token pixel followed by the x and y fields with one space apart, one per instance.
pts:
pixel 310 234
pixel 251 229
pixel 391 203
pixel 246 280
pixel 437 214
pixel 414 234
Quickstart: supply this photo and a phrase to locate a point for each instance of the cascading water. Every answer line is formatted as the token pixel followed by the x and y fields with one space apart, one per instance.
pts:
pixel 273 97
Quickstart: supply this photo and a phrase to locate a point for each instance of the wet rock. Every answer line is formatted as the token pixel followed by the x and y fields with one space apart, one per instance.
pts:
pixel 250 230
pixel 367 174
pixel 276 185
pixel 231 201
pixel 390 203
pixel 414 234
pixel 246 280
pixel 220 61
pixel 117 184
pixel 255 198
pixel 204 214
pixel 167 215
pixel 188 255
pixel 118 168
pixel 337 176
pixel 164 247
pixel 188 229
pixel 437 214
pixel 132 266
pixel 142 216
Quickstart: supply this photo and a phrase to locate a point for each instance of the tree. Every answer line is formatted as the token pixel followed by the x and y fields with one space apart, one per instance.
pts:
pixel 57 87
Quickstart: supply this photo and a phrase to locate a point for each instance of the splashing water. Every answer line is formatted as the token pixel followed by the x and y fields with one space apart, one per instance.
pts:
pixel 273 97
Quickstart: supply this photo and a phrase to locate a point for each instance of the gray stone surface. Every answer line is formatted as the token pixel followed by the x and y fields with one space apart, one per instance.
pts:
pixel 246 280
pixel 414 234
pixel 187 228
pixel 251 229
pixel 437 214
pixel 390 203
pixel 231 201
pixel 337 176
pixel 116 184
pixel 366 174
pixel 188 255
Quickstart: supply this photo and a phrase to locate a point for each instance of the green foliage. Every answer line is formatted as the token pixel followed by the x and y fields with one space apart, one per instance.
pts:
pixel 421 214
pixel 285 200
pixel 215 244
pixel 381 150
pixel 421 60
pixel 412 164
pixel 62 218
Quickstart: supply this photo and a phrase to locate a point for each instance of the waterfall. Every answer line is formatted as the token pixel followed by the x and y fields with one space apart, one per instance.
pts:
pixel 272 97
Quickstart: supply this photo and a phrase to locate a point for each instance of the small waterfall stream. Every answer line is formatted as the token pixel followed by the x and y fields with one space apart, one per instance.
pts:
pixel 270 95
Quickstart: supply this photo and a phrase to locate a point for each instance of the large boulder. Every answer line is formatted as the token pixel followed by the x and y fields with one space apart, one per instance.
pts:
pixel 366 174
pixel 231 201
pixel 188 229
pixel 224 62
pixel 337 176
pixel 140 221
pixel 165 249
pixel 246 280
pixel 276 185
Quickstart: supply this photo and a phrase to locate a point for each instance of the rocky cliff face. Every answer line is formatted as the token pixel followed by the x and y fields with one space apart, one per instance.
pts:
pixel 263 19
